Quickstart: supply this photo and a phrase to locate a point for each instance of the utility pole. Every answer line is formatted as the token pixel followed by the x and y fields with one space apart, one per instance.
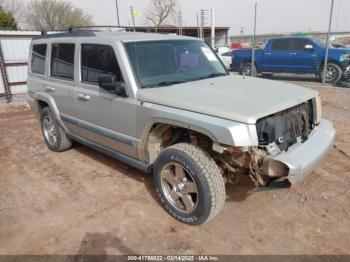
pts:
pixel 202 23
pixel 327 45
pixel 133 17
pixel 180 23
pixel 116 3
pixel 213 28
pixel 253 47
pixel 198 27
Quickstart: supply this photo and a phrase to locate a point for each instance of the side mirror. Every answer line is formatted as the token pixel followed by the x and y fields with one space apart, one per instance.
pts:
pixel 109 83
pixel 309 47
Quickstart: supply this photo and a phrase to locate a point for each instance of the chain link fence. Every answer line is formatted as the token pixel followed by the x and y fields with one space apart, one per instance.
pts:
pixel 290 41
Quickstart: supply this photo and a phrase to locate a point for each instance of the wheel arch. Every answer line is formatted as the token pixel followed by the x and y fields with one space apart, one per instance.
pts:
pixel 154 138
pixel 42 100
pixel 249 61
pixel 330 61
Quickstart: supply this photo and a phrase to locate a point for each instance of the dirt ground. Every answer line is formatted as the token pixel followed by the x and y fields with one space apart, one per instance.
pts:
pixel 82 202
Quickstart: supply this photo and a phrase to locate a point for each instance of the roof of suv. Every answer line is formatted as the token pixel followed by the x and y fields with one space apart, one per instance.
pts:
pixel 119 36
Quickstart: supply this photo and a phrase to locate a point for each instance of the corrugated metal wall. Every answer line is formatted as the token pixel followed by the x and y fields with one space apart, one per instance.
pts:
pixel 15 48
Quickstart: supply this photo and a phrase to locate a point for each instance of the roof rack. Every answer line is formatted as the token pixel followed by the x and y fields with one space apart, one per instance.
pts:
pixel 95 27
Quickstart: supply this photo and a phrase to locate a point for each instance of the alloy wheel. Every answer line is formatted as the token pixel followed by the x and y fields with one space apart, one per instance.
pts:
pixel 179 187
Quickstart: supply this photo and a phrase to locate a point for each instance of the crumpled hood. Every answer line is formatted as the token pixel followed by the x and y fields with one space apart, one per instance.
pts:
pixel 242 99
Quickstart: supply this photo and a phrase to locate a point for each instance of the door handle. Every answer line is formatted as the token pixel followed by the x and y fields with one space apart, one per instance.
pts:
pixel 50 88
pixel 83 97
pixel 292 53
pixel 267 53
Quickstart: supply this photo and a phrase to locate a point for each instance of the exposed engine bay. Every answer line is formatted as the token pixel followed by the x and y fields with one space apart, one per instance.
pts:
pixel 278 132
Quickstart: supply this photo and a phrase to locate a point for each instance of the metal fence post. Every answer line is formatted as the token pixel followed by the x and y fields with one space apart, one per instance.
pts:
pixel 253 47
pixel 213 28
pixel 327 45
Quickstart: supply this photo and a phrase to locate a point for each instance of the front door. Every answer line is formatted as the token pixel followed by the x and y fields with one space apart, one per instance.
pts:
pixel 303 56
pixel 102 116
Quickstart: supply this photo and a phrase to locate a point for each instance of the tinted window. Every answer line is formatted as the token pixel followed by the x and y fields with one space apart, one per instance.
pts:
pixel 98 60
pixel 38 59
pixel 299 44
pixel 62 60
pixel 281 44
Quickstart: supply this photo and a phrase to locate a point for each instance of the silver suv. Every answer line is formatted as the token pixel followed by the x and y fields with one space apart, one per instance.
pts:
pixel 167 105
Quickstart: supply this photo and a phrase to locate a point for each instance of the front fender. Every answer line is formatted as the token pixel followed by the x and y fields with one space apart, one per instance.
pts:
pixel 220 130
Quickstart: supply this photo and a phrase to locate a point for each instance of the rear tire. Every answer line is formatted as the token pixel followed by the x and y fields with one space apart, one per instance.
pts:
pixel 246 70
pixel 189 184
pixel 54 136
pixel 333 73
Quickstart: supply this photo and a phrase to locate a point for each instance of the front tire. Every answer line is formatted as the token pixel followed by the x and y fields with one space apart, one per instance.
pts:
pixel 189 183
pixel 54 136
pixel 333 73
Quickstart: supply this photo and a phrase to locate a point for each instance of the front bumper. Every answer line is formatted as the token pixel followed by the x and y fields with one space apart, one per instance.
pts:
pixel 302 158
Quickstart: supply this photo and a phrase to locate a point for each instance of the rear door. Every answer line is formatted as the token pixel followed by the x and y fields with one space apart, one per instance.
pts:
pixel 61 78
pixel 276 57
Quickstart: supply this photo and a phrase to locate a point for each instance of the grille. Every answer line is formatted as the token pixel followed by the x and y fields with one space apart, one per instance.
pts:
pixel 286 127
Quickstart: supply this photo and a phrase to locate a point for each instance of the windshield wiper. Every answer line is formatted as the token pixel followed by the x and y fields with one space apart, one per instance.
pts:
pixel 165 83
pixel 212 76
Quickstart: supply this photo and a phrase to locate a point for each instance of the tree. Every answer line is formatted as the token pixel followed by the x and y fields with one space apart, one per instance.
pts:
pixel 7 21
pixel 161 11
pixel 51 15
pixel 14 8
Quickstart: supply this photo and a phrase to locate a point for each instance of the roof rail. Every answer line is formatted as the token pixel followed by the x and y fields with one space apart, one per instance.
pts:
pixel 94 27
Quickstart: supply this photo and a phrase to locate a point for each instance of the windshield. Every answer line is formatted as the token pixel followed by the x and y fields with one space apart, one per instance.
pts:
pixel 322 43
pixel 163 63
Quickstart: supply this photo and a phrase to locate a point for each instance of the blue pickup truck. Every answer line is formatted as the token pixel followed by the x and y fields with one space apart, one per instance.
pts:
pixel 299 55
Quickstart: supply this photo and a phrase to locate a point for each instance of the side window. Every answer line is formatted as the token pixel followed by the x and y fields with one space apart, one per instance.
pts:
pixel 281 44
pixel 299 44
pixel 38 59
pixel 62 61
pixel 98 60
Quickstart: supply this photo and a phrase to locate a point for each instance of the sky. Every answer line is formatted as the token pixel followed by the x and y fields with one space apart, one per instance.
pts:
pixel 273 16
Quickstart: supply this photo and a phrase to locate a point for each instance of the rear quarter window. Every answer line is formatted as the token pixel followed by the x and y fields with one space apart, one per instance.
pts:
pixel 38 59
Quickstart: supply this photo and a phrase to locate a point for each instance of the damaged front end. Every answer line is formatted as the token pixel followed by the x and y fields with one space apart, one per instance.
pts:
pixel 291 143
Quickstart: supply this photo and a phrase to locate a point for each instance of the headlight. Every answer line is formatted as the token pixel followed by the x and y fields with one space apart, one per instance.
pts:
pixel 317 109
pixel 344 57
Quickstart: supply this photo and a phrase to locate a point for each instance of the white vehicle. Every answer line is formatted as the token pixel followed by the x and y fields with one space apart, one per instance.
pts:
pixel 226 59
